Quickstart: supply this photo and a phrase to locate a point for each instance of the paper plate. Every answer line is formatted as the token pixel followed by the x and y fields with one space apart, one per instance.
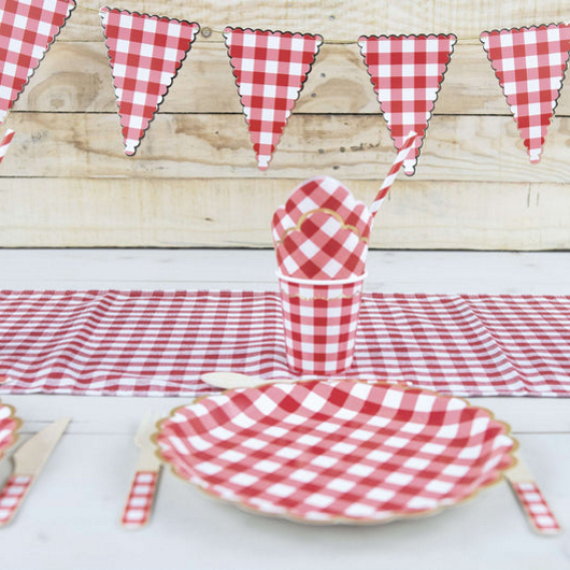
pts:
pixel 9 426
pixel 336 452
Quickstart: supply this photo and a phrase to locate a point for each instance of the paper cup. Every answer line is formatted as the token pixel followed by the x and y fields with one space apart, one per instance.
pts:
pixel 320 319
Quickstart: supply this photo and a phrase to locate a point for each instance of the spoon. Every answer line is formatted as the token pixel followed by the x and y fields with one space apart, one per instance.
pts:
pixel 229 380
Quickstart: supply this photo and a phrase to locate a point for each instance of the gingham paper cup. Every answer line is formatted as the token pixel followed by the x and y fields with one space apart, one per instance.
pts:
pixel 320 319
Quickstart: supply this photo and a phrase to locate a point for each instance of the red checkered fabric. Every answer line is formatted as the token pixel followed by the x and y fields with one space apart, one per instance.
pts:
pixel 530 64
pixel 8 428
pixel 27 29
pixel 320 323
pixel 336 451
pixel 148 343
pixel 270 69
pixel 321 232
pixel 146 53
pixel 536 507
pixel 141 498
pixel 407 73
pixel 12 495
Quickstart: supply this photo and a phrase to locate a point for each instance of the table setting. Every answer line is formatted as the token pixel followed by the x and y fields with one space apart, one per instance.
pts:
pixel 277 359
pixel 319 404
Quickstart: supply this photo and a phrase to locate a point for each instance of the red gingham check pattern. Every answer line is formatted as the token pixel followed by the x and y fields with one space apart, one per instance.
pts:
pixel 146 53
pixel 320 323
pixel 328 452
pixel 5 144
pixel 141 497
pixel 12 495
pixel 159 343
pixel 27 29
pixel 536 507
pixel 530 64
pixel 8 428
pixel 407 73
pixel 321 232
pixel 270 69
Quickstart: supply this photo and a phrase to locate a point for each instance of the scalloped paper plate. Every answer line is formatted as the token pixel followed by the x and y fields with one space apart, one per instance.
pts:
pixel 336 452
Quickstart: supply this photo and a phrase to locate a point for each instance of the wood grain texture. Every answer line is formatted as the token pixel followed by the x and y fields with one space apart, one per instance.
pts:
pixel 76 78
pixel 335 19
pixel 67 182
pixel 226 213
pixel 466 148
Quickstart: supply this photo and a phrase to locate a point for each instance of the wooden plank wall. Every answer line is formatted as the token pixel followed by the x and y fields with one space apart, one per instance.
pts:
pixel 194 181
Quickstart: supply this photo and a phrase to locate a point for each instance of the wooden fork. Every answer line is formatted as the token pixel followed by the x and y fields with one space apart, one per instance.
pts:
pixel 142 492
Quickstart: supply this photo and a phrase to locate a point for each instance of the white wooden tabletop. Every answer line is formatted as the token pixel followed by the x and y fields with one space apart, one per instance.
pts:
pixel 70 518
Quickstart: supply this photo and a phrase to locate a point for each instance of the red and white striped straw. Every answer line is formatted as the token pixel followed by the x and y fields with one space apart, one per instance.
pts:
pixel 6 143
pixel 406 151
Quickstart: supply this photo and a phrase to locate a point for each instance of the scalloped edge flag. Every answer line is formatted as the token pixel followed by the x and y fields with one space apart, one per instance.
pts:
pixel 407 73
pixel 530 64
pixel 270 68
pixel 145 53
pixel 27 30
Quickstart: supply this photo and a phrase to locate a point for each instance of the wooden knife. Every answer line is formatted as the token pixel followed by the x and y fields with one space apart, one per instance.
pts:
pixel 28 461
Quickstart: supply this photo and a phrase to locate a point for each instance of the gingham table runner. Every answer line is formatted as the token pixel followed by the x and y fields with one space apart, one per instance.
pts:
pixel 159 343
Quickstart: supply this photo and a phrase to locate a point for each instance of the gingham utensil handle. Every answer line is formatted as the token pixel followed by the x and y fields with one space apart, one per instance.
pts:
pixel 536 508
pixel 140 500
pixel 12 496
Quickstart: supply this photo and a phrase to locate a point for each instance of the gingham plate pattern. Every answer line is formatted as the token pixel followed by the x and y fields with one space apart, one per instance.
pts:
pixel 146 53
pixel 534 504
pixel 321 232
pixel 336 452
pixel 530 64
pixel 407 73
pixel 27 29
pixel 9 425
pixel 320 323
pixel 159 343
pixel 270 68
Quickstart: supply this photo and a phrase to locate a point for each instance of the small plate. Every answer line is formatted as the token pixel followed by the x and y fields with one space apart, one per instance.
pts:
pixel 9 426
pixel 338 451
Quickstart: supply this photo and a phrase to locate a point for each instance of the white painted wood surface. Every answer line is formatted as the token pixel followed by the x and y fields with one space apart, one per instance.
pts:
pixel 70 519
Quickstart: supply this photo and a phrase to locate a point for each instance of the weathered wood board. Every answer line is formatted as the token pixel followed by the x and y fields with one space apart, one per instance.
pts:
pixel 194 181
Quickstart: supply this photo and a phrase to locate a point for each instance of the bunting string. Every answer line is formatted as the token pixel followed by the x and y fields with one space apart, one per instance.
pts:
pixel 271 67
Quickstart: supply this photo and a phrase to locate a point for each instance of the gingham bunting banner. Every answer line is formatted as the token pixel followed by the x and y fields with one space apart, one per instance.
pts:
pixel 321 232
pixel 27 29
pixel 270 69
pixel 146 53
pixel 407 73
pixel 530 64
pixel 137 343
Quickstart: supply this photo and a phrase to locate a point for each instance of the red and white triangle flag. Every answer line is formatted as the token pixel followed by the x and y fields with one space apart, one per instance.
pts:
pixel 27 29
pixel 530 64
pixel 407 73
pixel 270 69
pixel 146 53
